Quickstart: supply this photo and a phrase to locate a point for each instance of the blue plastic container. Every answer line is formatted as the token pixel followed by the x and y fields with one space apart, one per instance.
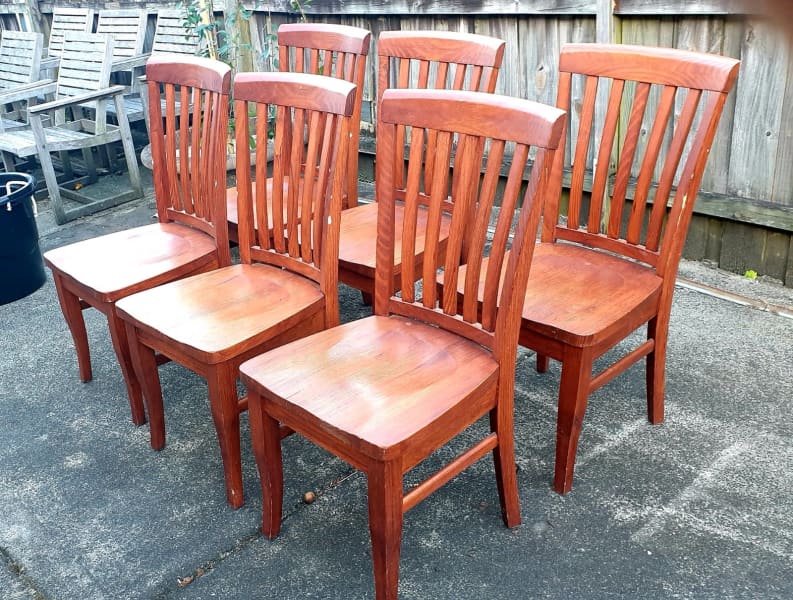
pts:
pixel 21 265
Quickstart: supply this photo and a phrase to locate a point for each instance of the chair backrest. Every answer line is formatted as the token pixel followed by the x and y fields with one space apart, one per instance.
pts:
pixel 128 28
pixel 338 51
pixel 171 36
pixel 295 224
pixel 188 144
pixel 462 124
pixel 437 60
pixel 80 20
pixel 20 58
pixel 662 110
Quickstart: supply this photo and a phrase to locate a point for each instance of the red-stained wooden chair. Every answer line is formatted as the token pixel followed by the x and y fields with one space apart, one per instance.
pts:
pixel 608 267
pixel 385 391
pixel 286 285
pixel 190 235
pixel 420 60
pixel 322 49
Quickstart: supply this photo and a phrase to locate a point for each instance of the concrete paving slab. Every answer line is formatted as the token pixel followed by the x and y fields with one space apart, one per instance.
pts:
pixel 699 507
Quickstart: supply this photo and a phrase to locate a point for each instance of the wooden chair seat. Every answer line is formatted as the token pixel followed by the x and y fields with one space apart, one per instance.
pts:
pixel 248 305
pixel 22 142
pixel 572 290
pixel 583 297
pixel 357 248
pixel 125 262
pixel 414 374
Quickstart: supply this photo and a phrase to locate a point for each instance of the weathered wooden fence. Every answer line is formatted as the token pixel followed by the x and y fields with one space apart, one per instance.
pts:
pixel 744 216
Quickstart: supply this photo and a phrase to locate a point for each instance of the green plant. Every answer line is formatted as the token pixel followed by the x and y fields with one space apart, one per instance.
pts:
pixel 229 39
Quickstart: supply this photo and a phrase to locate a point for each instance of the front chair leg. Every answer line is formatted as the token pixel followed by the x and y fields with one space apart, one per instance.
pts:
pixel 573 396
pixel 73 314
pixel 222 381
pixel 385 526
pixel 266 442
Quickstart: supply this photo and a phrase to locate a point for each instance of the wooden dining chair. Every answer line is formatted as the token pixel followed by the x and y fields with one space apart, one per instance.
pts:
pixel 386 391
pixel 286 284
pixel 608 266
pixel 65 19
pixel 322 49
pixel 414 59
pixel 190 234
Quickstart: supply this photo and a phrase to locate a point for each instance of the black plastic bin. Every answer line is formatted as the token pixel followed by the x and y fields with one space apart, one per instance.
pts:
pixel 21 266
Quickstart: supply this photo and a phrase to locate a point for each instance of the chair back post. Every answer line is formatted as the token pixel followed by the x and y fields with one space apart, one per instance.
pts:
pixel 337 51
pixel 462 122
pixel 292 220
pixel 189 146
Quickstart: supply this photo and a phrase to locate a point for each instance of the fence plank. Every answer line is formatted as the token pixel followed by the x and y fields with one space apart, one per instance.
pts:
pixel 758 112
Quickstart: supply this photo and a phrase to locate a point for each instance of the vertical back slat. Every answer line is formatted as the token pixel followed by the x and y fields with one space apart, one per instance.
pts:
pixel 264 202
pixel 603 157
pixel 673 157
pixel 581 152
pixel 626 158
pixel 651 153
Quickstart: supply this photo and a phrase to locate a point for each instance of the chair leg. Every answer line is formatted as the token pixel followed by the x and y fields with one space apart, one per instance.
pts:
pixel 573 396
pixel 52 184
pixel 385 527
pixel 222 381
pixel 129 148
pixel 542 362
pixel 504 459
pixel 266 442
pixel 144 361
pixel 656 370
pixel 73 314
pixel 118 334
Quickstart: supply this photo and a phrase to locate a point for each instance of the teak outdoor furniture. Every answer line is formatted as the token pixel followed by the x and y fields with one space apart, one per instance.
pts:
pixel 286 285
pixel 322 49
pixel 64 19
pixel 414 59
pixel 187 238
pixel 20 60
pixel 385 391
pixel 83 77
pixel 608 267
